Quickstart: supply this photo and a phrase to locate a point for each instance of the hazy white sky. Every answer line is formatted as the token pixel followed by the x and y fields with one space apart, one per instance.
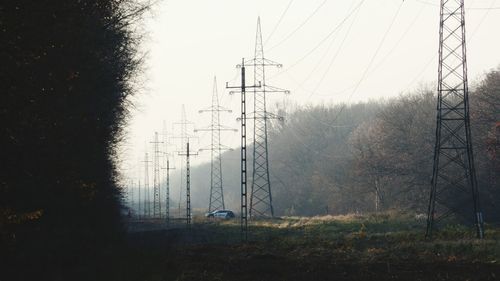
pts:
pixel 332 51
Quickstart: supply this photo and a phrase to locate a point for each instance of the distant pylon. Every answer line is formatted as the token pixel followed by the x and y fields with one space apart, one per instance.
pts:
pixel 147 198
pixel 184 138
pixel 261 200
pixel 139 201
pixel 454 184
pixel 167 190
pixel 166 167
pixel 156 177
pixel 216 200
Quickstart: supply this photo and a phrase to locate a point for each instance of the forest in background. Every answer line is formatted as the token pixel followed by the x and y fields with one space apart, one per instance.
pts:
pixel 365 157
pixel 68 68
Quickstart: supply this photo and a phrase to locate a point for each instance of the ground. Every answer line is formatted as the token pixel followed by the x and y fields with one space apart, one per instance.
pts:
pixel 372 247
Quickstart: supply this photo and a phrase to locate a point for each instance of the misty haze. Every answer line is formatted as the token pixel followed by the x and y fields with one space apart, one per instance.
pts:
pixel 250 140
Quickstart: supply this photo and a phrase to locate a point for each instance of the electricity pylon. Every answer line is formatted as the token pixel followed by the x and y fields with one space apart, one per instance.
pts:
pixel 454 184
pixel 166 167
pixel 156 177
pixel 147 199
pixel 130 194
pixel 139 201
pixel 261 200
pixel 243 203
pixel 216 200
pixel 167 189
pixel 183 136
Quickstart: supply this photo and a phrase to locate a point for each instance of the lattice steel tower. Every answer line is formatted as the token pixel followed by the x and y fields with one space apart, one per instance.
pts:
pixel 147 199
pixel 166 168
pixel 261 203
pixel 156 178
pixel 183 136
pixel 167 189
pixel 216 201
pixel 454 184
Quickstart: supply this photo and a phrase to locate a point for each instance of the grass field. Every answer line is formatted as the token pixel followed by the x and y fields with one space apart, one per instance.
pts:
pixel 372 247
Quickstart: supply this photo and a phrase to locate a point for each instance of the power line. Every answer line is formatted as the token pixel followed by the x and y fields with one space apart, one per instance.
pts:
pixel 279 21
pixel 322 41
pixel 336 55
pixel 373 70
pixel 371 61
pixel 300 26
pixel 467 8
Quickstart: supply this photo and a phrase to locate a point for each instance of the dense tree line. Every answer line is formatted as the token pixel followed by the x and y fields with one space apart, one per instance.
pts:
pixel 369 156
pixel 66 71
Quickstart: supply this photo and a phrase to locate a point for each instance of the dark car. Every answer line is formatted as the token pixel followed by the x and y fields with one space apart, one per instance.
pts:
pixel 221 214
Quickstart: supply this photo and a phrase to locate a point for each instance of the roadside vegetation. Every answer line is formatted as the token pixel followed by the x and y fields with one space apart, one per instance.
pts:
pixel 384 246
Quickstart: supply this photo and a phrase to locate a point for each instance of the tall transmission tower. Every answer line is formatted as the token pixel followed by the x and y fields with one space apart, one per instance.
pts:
pixel 156 177
pixel 130 195
pixel 454 184
pixel 139 201
pixel 261 200
pixel 183 135
pixel 167 189
pixel 216 201
pixel 243 165
pixel 147 198
pixel 166 168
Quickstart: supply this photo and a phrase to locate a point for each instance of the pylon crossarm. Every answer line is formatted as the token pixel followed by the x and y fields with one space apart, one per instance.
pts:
pixel 262 62
pixel 212 109
pixel 273 89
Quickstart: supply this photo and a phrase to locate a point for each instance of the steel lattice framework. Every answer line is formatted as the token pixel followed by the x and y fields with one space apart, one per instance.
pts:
pixel 167 189
pixel 454 184
pixel 156 177
pixel 147 199
pixel 184 137
pixel 166 168
pixel 216 201
pixel 261 203
pixel 139 201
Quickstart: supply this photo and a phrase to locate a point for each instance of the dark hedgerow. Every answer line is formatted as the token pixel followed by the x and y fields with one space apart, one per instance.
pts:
pixel 66 71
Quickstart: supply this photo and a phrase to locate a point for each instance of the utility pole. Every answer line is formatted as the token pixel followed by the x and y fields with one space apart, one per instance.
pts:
pixel 147 199
pixel 243 165
pixel 216 201
pixel 188 184
pixel 454 183
pixel 261 200
pixel 156 178
pixel 183 136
